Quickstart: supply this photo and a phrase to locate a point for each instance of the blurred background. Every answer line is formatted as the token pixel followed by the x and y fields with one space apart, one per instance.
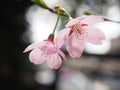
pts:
pixel 22 22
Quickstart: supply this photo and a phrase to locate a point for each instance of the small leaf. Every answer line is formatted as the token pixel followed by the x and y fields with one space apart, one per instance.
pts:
pixel 40 2
pixel 86 13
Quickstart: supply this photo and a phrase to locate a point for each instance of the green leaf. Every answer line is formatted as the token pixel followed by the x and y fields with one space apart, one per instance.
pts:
pixel 86 13
pixel 40 2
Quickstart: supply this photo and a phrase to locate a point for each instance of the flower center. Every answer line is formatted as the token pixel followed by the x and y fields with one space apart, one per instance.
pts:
pixel 46 55
pixel 79 31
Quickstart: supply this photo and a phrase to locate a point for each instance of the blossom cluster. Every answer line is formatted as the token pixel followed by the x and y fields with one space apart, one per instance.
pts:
pixel 76 32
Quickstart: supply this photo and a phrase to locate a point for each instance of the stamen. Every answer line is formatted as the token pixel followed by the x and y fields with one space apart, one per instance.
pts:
pixel 80 33
pixel 84 24
pixel 45 55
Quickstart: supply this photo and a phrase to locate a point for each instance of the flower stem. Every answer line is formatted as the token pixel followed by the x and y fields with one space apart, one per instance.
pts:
pixel 68 14
pixel 58 17
pixel 61 11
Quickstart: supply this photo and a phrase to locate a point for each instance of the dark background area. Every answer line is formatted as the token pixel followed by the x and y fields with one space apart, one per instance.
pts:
pixel 12 27
pixel 16 73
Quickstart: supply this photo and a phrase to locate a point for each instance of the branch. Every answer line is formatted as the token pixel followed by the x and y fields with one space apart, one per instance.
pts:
pixel 86 13
pixel 111 20
pixel 61 11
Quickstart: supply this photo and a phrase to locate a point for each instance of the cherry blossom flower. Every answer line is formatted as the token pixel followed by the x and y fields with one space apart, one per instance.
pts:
pixel 46 51
pixel 79 30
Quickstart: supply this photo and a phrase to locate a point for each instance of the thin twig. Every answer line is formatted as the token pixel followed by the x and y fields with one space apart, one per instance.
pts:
pixel 111 20
pixel 53 11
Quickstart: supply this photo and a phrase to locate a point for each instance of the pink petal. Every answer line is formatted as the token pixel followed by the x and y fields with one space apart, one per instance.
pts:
pixel 62 37
pixel 80 18
pixel 91 19
pixel 58 62
pixel 48 47
pixel 31 46
pixel 36 57
pixel 62 54
pixel 54 61
pixel 75 46
pixel 94 35
pixel 72 22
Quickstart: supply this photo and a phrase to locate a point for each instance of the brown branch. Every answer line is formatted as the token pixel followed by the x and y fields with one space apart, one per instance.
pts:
pixel 111 20
pixel 86 13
